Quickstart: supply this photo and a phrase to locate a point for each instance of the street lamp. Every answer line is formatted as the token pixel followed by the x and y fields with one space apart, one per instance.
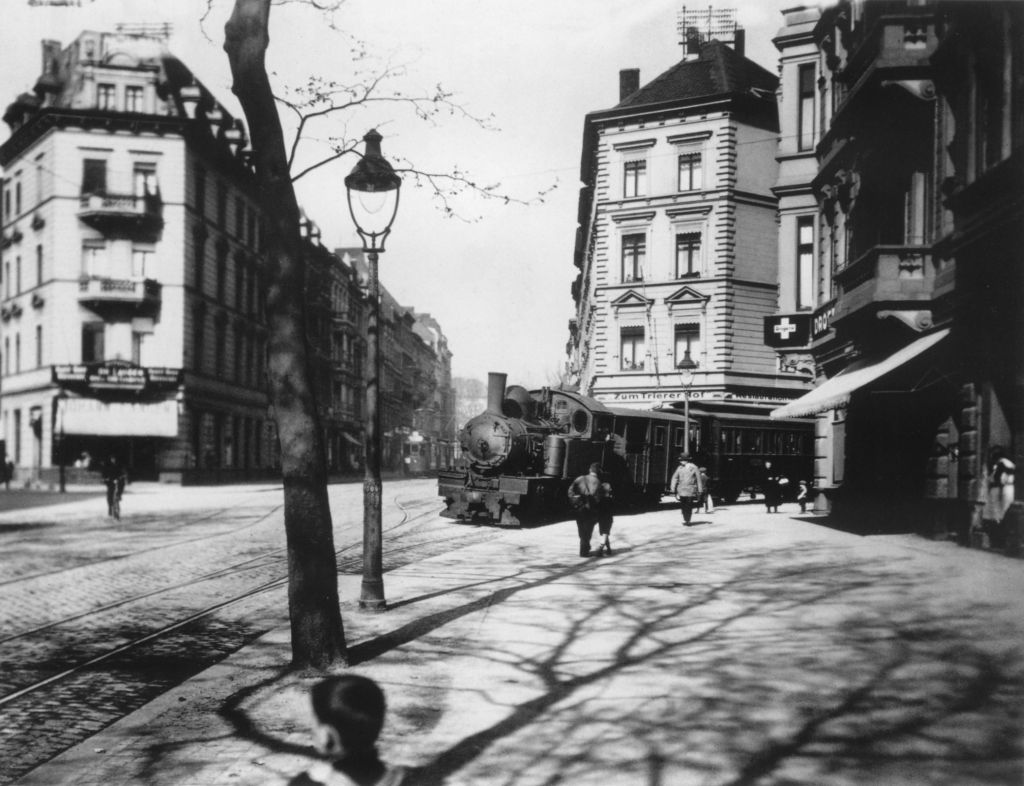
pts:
pixel 61 400
pixel 686 368
pixel 372 188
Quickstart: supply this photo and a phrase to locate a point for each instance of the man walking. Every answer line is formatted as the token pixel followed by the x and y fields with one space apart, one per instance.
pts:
pixel 686 485
pixel 584 495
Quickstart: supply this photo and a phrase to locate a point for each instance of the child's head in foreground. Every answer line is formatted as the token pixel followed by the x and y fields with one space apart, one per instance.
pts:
pixel 348 715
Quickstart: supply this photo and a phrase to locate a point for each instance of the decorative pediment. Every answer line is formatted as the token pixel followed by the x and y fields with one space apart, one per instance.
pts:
pixel 636 144
pixel 687 296
pixel 688 211
pixel 691 138
pixel 632 299
pixel 633 217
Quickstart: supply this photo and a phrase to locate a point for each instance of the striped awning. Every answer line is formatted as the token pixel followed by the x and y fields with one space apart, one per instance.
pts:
pixel 836 392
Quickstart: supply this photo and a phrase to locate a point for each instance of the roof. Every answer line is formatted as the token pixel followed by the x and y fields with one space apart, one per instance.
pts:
pixel 719 70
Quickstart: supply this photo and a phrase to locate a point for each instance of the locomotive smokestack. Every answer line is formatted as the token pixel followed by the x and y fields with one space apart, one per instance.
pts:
pixel 495 391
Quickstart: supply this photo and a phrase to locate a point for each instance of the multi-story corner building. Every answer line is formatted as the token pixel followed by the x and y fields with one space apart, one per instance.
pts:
pixel 800 130
pixel 131 313
pixel 915 323
pixel 676 244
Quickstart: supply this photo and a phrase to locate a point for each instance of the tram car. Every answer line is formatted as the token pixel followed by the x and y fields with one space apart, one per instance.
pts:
pixel 520 455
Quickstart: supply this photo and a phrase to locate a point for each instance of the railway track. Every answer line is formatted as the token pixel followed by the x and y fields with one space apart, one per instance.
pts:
pixel 91 668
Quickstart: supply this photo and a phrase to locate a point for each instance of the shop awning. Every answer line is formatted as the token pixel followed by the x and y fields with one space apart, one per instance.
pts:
pixel 836 392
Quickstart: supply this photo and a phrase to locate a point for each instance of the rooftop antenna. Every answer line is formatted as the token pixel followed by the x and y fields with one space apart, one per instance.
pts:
pixel 697 26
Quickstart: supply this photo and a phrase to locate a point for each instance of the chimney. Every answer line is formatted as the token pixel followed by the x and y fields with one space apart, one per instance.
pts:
pixel 739 41
pixel 692 43
pixel 495 392
pixel 629 82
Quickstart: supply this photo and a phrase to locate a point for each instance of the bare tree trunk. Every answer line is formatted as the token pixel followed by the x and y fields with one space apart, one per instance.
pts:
pixel 318 637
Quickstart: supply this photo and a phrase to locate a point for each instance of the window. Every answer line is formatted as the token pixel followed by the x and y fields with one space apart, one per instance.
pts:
pixel 7 356
pixel 143 257
pixel 199 319
pixel 634 248
pixel 106 97
pixel 133 99
pixel 805 262
pixel 239 219
pixel 39 264
pixel 7 279
pixel 687 254
pixel 17 194
pixel 94 176
pixel 805 107
pixel 635 177
pixel 632 349
pixel 39 179
pixel 144 177
pixel 200 181
pixel 222 205
pixel 17 275
pixel 92 342
pixel 94 254
pixel 17 352
pixel 691 177
pixel 138 339
pixel 222 270
pixel 687 343
pixel 915 209
pixel 7 202
pixel 220 336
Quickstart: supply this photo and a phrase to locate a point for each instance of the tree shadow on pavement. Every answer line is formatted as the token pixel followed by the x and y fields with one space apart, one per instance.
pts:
pixel 740 666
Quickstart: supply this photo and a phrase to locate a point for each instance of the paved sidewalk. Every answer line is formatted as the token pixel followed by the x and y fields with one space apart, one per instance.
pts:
pixel 747 649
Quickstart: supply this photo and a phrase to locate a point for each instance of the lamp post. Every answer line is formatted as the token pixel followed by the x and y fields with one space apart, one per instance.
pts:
pixel 372 188
pixel 61 399
pixel 686 368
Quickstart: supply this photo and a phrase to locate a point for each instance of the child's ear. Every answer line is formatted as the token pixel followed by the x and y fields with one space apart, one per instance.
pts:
pixel 328 742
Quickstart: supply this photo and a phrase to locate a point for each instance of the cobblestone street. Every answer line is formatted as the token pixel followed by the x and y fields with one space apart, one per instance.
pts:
pixel 98 617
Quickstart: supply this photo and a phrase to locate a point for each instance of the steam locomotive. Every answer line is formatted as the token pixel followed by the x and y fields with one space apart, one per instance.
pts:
pixel 520 455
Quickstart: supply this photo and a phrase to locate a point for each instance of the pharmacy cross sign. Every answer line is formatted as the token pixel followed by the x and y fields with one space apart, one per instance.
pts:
pixel 784 328
pixel 787 330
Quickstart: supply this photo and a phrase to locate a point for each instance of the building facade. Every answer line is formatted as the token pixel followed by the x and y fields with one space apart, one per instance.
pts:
pixel 676 243
pixel 917 195
pixel 132 309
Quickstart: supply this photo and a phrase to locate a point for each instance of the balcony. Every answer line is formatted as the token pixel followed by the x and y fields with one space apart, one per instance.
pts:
pixel 139 293
pixel 892 42
pixel 111 212
pixel 886 277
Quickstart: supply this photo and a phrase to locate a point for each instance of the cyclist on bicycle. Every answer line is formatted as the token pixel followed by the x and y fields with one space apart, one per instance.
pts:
pixel 114 477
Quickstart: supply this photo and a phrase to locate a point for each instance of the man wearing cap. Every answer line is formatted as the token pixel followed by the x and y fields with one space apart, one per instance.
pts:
pixel 686 485
pixel 586 494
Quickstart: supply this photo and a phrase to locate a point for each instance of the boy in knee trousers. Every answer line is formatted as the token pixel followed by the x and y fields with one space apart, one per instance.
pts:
pixel 348 714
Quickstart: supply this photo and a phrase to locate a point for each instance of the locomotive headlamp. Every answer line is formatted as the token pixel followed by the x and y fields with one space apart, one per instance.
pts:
pixel 372 188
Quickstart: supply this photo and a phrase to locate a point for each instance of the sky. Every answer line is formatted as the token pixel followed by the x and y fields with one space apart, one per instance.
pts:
pixel 497 275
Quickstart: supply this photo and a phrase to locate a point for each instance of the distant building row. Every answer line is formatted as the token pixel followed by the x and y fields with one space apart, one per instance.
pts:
pixel 132 286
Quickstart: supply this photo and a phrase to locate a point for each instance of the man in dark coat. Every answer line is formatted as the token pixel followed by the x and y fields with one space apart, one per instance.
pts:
pixel 585 496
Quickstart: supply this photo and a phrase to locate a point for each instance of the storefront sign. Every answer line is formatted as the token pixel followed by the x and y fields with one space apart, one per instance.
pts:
pixel 118 418
pixel 787 330
pixel 117 376
pixel 821 322
pixel 654 395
